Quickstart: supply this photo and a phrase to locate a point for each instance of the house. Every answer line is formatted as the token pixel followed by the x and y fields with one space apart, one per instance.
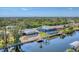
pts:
pixel 75 45
pixel 29 31
pixel 10 27
pixel 57 27
pixel 46 28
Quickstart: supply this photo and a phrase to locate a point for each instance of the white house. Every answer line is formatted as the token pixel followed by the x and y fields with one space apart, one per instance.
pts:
pixel 75 44
pixel 10 27
pixel 29 31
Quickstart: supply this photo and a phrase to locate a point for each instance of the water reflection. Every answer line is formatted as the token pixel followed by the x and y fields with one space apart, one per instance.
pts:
pixel 46 42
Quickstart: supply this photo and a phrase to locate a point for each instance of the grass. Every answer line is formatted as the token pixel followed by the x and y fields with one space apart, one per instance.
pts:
pixel 43 34
pixel 70 50
pixel 67 30
pixel 76 28
pixel 1 43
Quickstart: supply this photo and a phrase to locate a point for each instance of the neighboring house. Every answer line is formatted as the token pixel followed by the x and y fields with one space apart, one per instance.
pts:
pixel 75 45
pixel 10 27
pixel 58 27
pixel 46 28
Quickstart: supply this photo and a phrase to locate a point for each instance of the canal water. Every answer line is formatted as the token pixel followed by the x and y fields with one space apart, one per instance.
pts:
pixel 58 44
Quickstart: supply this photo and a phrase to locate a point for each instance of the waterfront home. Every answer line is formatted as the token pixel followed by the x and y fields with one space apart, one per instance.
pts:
pixel 26 38
pixel 29 31
pixel 29 35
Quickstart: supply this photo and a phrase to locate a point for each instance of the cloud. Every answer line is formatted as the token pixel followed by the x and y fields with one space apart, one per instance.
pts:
pixel 70 8
pixel 24 9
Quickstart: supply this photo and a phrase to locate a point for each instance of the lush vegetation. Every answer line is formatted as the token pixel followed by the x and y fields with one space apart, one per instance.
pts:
pixel 33 22
pixel 20 23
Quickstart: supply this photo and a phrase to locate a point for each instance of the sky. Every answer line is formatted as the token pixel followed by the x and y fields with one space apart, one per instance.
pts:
pixel 39 11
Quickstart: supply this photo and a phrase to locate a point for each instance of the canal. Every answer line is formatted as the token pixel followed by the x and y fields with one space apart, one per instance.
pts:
pixel 58 44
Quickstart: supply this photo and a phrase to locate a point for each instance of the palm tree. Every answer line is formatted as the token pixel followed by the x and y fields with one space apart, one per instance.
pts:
pixel 5 39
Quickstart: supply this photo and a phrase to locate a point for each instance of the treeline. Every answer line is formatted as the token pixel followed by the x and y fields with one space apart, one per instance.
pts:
pixel 32 22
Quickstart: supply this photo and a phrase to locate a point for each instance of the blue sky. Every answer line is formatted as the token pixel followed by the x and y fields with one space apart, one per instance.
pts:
pixel 39 11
